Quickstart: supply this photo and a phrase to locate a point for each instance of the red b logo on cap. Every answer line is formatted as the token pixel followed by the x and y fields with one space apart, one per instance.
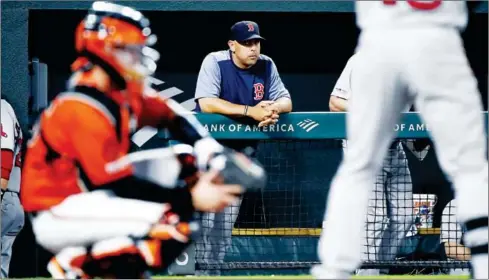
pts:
pixel 251 28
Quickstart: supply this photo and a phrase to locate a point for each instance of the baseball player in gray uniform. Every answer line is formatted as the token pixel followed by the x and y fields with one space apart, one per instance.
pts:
pixel 390 208
pixel 12 211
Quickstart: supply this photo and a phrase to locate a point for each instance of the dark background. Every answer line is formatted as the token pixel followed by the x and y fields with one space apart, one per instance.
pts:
pixel 309 48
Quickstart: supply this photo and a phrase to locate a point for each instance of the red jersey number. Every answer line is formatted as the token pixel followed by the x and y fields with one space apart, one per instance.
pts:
pixel 419 5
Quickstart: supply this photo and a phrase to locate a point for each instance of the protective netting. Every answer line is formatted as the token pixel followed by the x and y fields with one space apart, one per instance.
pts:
pixel 279 227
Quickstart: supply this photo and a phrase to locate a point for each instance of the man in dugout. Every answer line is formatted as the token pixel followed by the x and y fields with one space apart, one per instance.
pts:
pixel 239 82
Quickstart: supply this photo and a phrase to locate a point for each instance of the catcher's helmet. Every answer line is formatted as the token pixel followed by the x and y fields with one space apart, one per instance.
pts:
pixel 117 38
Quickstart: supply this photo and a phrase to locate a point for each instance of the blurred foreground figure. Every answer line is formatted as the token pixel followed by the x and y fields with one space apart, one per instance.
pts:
pixel 105 212
pixel 411 51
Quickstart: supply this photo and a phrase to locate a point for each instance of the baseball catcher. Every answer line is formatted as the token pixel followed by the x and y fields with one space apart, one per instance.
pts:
pixel 105 212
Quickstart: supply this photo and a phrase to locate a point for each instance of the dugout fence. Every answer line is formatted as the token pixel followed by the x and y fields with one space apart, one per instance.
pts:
pixel 279 228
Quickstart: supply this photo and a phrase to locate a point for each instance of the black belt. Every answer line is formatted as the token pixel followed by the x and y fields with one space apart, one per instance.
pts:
pixel 11 191
pixel 6 191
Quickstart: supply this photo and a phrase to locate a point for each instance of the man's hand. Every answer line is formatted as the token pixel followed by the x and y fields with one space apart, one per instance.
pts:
pixel 4 184
pixel 211 195
pixel 270 105
pixel 265 103
pixel 272 118
pixel 259 112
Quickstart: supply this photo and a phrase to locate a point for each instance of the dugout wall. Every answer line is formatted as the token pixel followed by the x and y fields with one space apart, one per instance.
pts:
pixel 44 29
pixel 15 38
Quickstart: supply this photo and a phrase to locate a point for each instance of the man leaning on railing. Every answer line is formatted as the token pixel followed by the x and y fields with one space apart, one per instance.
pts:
pixel 238 82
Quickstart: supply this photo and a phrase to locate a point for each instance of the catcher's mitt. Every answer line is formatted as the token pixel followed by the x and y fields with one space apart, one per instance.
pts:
pixel 238 168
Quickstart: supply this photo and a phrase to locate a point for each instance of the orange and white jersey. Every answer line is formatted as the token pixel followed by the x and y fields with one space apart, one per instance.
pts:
pixel 82 131
pixel 75 137
pixel 11 147
pixel 388 14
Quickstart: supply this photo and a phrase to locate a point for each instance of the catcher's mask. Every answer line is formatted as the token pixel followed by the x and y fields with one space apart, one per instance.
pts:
pixel 118 39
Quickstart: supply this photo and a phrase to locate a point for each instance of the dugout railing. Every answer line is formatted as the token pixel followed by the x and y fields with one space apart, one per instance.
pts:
pixel 279 227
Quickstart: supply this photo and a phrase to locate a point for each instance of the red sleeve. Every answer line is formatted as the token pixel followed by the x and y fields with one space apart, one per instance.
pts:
pixel 7 163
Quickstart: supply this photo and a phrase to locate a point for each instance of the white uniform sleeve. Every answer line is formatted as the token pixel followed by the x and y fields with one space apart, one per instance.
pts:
pixel 450 230
pixel 8 130
pixel 342 88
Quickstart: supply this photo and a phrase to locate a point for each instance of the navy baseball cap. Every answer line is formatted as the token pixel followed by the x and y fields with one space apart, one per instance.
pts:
pixel 245 30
